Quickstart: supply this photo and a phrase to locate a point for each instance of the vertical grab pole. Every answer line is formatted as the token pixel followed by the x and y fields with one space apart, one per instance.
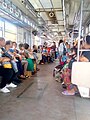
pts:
pixel 64 14
pixel 31 40
pixel 72 38
pixel 80 28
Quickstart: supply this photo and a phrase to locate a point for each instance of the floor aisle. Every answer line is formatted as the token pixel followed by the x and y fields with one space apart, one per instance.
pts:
pixel 40 98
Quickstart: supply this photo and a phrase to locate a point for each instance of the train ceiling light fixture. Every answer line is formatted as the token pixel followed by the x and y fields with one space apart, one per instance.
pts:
pixel 4 5
pixel 11 10
pixel 16 13
pixel 51 14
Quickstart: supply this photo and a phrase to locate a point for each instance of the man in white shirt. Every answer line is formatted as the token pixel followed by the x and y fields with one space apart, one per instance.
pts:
pixel 62 47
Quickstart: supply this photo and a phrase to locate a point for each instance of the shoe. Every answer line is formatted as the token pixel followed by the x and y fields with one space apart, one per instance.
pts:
pixel 57 70
pixel 37 69
pixel 64 86
pixel 57 80
pixel 33 73
pixel 11 85
pixel 21 77
pixel 42 63
pixel 62 83
pixel 26 76
pixel 5 90
pixel 67 93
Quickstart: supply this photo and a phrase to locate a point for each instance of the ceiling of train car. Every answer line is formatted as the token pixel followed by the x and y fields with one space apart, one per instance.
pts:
pixel 49 14
pixel 73 13
pixel 86 12
pixel 52 13
pixel 71 9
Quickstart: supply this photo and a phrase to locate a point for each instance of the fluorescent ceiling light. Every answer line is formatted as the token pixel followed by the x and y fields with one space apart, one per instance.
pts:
pixel 21 17
pixel 4 5
pixel 1 14
pixel 17 14
pixel 28 22
pixel 25 20
pixel 31 24
pixel 11 10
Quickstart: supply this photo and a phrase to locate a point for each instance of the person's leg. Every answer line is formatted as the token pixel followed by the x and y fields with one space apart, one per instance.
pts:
pixel 48 59
pixel 3 82
pixel 45 58
pixel 57 77
pixel 55 55
pixel 14 66
pixel 25 67
pixel 20 68
pixel 71 90
pixel 14 78
pixel 6 77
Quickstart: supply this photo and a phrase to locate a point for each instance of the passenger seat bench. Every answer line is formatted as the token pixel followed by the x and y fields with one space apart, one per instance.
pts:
pixel 80 76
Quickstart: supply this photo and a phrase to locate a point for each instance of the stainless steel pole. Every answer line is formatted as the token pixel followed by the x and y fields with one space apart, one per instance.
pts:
pixel 31 40
pixel 64 14
pixel 80 28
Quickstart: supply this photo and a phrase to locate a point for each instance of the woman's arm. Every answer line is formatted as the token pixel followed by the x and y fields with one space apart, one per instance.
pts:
pixel 83 59
pixel 4 59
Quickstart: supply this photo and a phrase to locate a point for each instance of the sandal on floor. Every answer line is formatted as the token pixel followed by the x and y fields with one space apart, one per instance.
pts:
pixel 21 77
pixel 26 76
pixel 57 80
pixel 67 93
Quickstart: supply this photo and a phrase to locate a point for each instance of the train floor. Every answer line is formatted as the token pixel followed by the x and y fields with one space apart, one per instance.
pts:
pixel 40 98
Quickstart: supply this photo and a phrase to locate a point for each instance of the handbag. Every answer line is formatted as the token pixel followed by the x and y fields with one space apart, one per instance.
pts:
pixel 7 65
pixel 39 55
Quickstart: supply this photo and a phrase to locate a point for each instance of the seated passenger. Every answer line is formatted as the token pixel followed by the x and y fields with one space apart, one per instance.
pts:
pixel 21 70
pixel 7 74
pixel 44 54
pixel 26 56
pixel 85 57
pixel 66 73
pixel 10 55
